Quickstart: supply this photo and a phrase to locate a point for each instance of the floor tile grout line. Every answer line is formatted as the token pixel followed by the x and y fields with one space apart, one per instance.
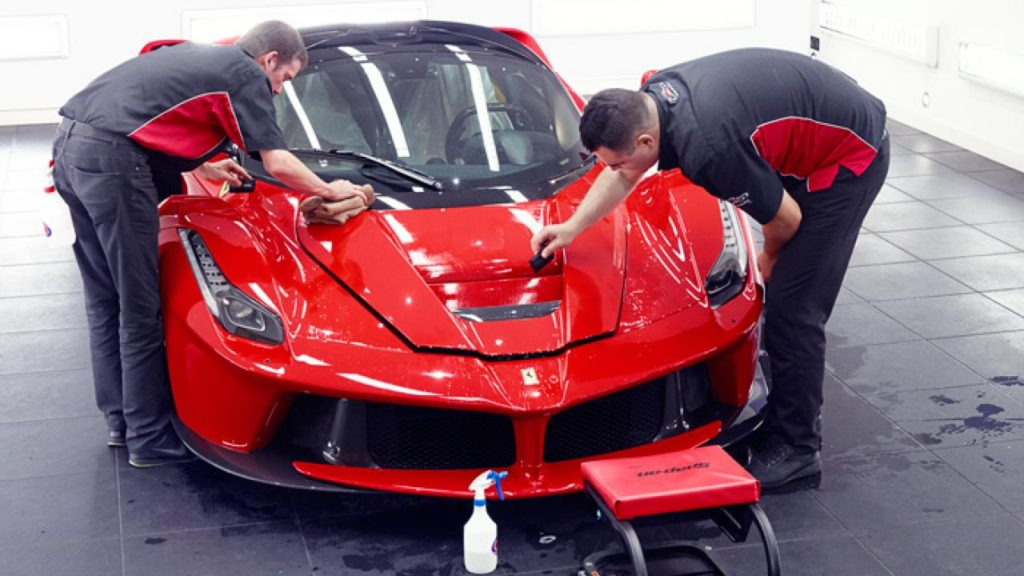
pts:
pixel 971 175
pixel 939 227
pixel 120 511
pixel 990 333
pixel 48 330
pixel 85 417
pixel 882 452
pixel 151 534
pixel 912 331
pixel 872 554
pixel 1000 304
pixel 971 482
pixel 967 173
pixel 878 395
pixel 937 296
pixel 928 200
pixel 31 372
pixel 1012 250
pixel 969 226
pixel 57 371
pixel 40 420
pixel 302 534
pixel 950 276
pixel 30 264
pixel 36 296
pixel 14 332
pixel 975 335
pixel 70 260
pixel 879 412
pixel 4 481
pixel 986 233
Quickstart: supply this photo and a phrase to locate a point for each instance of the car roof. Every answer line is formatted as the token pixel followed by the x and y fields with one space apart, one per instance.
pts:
pixel 393 35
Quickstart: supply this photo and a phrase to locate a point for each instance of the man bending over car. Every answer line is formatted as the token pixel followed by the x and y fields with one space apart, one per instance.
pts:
pixel 798 146
pixel 166 111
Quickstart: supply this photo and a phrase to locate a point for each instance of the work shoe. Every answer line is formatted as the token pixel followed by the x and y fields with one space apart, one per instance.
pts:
pixel 780 468
pixel 116 430
pixel 116 437
pixel 170 451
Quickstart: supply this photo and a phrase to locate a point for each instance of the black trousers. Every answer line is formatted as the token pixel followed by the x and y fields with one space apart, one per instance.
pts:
pixel 106 181
pixel 801 293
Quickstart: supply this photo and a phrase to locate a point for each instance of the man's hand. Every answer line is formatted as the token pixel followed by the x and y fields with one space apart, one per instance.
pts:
pixel 354 199
pixel 778 232
pixel 553 237
pixel 316 210
pixel 343 190
pixel 765 263
pixel 221 170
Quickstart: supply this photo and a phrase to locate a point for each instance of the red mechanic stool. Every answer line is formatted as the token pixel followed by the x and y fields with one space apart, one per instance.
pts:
pixel 690 485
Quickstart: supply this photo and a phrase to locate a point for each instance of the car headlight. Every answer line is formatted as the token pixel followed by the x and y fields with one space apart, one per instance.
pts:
pixel 236 311
pixel 729 274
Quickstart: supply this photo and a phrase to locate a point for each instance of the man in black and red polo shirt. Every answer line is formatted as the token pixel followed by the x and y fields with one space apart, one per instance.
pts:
pixel 798 146
pixel 165 112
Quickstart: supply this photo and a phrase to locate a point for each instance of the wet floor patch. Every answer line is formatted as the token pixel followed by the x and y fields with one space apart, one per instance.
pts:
pixel 954 416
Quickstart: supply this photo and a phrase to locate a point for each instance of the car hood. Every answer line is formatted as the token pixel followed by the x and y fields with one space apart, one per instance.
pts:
pixel 459 279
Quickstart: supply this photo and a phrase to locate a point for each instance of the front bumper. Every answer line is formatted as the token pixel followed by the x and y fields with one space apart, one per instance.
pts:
pixel 309 462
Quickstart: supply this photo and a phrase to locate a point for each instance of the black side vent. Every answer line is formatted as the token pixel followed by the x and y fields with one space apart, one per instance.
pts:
pixel 615 422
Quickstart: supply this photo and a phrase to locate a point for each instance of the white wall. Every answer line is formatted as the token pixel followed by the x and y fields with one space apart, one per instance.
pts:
pixel 972 115
pixel 101 34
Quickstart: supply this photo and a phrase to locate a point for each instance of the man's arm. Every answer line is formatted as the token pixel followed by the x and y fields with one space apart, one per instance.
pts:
pixel 609 189
pixel 285 167
pixel 342 199
pixel 778 232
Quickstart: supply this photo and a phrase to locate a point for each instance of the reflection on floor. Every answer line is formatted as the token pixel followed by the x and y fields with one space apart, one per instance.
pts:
pixel 924 421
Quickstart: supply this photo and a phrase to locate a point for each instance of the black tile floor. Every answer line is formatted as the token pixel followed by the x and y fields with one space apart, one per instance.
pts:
pixel 924 421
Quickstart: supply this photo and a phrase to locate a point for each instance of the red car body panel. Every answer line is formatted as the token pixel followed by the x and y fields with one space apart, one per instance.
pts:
pixel 367 310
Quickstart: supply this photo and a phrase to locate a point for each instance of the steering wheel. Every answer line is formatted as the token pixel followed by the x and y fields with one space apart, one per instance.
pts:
pixel 454 143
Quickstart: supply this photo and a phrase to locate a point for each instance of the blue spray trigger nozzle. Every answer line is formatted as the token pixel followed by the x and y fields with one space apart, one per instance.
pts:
pixel 497 477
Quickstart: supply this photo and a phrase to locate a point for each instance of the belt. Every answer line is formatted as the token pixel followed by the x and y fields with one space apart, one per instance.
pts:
pixel 82 129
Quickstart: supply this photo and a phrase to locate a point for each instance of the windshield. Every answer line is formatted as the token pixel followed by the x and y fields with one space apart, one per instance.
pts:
pixel 470 119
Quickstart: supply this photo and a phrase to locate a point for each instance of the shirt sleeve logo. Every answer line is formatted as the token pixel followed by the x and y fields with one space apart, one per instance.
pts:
pixel 739 201
pixel 667 92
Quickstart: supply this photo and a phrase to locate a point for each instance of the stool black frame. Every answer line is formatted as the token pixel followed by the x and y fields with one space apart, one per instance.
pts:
pixel 734 521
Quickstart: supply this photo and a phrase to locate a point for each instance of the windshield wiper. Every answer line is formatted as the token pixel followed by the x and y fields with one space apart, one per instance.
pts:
pixel 587 162
pixel 410 174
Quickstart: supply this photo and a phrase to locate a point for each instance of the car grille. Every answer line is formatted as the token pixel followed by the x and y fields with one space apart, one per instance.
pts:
pixel 639 415
pixel 412 437
pixel 429 438
pixel 615 422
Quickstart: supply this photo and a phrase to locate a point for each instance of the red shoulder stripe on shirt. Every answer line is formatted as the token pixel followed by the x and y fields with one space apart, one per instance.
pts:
pixel 807 148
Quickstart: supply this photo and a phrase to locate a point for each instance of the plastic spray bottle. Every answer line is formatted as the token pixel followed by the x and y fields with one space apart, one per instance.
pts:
pixel 480 535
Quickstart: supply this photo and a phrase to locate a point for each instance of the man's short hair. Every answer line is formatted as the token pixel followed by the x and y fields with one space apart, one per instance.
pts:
pixel 612 118
pixel 275 36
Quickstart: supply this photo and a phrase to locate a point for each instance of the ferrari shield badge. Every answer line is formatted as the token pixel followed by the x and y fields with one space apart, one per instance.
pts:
pixel 667 92
pixel 530 377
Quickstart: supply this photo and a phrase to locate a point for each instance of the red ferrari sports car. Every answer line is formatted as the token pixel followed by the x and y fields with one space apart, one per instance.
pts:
pixel 414 346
